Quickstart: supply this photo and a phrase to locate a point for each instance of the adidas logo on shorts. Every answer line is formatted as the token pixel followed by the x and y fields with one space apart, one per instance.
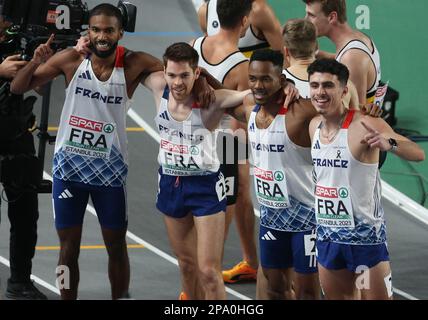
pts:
pixel 65 194
pixel 268 236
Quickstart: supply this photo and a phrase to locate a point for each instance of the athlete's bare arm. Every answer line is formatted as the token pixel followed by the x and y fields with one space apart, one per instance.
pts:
pixel 373 133
pixel 45 66
pixel 139 67
pixel 237 79
pixel 350 100
pixel 156 83
pixel 358 64
pixel 264 19
pixel 243 111
pixel 299 115
pixel 202 17
pixel 325 55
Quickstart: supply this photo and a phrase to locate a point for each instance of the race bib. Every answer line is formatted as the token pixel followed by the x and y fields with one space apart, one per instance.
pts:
pixel 333 207
pixel 230 186
pixel 89 138
pixel 180 159
pixel 220 188
pixel 271 188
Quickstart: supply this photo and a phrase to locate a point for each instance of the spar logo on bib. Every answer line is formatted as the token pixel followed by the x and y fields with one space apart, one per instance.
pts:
pixel 108 128
pixel 343 193
pixel 194 150
pixel 279 176
pixel 175 148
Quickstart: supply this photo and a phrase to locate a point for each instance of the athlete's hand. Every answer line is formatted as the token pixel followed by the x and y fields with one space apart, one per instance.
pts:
pixel 203 93
pixel 291 94
pixel 43 51
pixel 11 65
pixel 371 109
pixel 82 45
pixel 374 139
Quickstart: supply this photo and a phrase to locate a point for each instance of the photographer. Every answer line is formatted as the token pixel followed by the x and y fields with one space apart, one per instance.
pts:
pixel 17 167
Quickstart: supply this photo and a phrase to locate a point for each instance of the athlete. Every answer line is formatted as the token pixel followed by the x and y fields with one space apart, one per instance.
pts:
pixel 280 154
pixel 351 235
pixel 91 157
pixel 264 29
pixel 192 191
pixel 220 56
pixel 353 48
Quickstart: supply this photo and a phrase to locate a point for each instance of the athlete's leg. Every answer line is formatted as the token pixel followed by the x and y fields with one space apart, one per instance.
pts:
pixel 118 261
pixel 110 204
pixel 244 213
pixel 305 276
pixel 307 286
pixel 210 241
pixel 245 218
pixel 230 212
pixel 69 201
pixel 380 285
pixel 337 284
pixel 182 237
pixel 275 284
pixel 69 239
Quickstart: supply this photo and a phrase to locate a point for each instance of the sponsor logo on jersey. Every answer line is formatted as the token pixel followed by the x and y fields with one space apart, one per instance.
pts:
pixel 176 148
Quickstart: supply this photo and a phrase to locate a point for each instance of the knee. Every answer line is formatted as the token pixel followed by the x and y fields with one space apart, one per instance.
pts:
pixel 69 253
pixel 187 266
pixel 209 276
pixel 117 250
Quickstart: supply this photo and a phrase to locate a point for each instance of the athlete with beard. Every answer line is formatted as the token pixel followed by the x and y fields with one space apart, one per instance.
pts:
pixel 91 157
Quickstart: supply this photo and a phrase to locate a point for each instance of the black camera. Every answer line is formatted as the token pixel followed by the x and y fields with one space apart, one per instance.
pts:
pixel 33 21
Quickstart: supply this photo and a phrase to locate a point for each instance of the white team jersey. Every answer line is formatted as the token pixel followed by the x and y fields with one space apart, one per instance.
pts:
pixel 282 176
pixel 186 148
pixel 347 193
pixel 374 56
pixel 249 42
pixel 91 145
pixel 301 85
pixel 219 70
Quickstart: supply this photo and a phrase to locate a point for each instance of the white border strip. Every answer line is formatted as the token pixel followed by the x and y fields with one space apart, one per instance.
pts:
pixel 408 205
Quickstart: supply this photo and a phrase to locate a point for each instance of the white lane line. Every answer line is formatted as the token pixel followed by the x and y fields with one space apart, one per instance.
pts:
pixel 33 277
pixel 404 294
pixel 151 247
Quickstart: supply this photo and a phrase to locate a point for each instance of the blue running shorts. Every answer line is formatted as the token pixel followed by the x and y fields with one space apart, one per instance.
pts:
pixel 337 256
pixel 283 249
pixel 201 195
pixel 70 200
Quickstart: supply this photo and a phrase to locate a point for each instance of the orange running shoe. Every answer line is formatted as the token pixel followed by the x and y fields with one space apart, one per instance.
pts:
pixel 183 296
pixel 240 272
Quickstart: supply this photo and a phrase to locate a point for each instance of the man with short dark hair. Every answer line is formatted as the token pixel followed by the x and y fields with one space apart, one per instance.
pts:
pixel 192 191
pixel 351 231
pixel 280 154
